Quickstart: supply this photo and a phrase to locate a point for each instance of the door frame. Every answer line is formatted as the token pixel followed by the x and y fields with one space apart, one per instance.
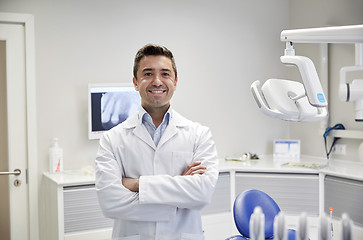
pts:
pixel 27 20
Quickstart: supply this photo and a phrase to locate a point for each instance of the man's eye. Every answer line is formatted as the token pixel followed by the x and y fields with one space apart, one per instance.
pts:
pixel 147 74
pixel 166 74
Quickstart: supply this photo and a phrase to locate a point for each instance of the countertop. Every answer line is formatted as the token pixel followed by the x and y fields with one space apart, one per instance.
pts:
pixel 306 164
pixel 344 169
pixel 72 177
pixel 266 164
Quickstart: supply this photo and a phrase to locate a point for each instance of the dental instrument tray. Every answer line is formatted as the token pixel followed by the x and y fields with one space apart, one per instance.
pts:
pixel 304 165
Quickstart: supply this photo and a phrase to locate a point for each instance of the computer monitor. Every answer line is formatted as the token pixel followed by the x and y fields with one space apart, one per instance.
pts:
pixel 109 104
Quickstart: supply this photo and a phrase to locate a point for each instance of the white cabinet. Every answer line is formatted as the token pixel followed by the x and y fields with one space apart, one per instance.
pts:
pixel 81 209
pixel 217 217
pixel 73 213
pixel 221 200
pixel 72 210
pixel 345 196
pixel 294 193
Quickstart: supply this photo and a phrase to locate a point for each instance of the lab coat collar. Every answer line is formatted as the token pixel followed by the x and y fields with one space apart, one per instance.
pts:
pixel 175 118
pixel 142 113
pixel 175 121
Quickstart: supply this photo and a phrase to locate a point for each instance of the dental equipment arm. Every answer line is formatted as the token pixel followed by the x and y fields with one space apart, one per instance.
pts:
pixel 340 34
pixel 311 83
pixel 352 34
pixel 310 78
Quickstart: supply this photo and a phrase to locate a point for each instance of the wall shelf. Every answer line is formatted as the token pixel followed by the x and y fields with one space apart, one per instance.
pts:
pixel 352 134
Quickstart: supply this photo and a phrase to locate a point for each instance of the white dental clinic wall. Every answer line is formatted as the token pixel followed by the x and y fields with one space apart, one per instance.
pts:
pixel 220 47
pixel 325 13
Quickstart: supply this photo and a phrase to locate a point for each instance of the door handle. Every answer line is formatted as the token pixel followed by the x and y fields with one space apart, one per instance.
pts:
pixel 16 172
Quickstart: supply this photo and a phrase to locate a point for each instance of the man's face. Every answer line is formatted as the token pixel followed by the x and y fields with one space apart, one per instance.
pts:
pixel 155 82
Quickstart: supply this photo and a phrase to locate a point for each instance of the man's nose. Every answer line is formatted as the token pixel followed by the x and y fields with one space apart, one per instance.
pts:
pixel 157 81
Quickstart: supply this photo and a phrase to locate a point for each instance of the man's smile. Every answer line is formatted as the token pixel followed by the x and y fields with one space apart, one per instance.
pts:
pixel 157 91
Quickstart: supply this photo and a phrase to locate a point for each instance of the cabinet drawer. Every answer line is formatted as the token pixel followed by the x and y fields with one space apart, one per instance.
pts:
pixel 345 196
pixel 221 200
pixel 81 209
pixel 294 193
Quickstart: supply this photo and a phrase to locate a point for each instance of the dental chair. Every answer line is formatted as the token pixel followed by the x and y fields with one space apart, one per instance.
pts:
pixel 243 208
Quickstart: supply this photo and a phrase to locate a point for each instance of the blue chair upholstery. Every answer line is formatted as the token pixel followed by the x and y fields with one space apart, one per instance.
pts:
pixel 236 237
pixel 244 205
pixel 243 208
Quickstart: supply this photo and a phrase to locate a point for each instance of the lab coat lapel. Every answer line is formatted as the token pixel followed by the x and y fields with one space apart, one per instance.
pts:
pixel 170 131
pixel 176 121
pixel 140 130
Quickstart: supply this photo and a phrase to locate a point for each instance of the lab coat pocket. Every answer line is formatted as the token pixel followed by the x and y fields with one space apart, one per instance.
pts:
pixel 136 237
pixel 191 236
pixel 180 161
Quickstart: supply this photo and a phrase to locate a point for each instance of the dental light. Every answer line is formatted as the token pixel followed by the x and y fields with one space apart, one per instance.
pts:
pixel 293 101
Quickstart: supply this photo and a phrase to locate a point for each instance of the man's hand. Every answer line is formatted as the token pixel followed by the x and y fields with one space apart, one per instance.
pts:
pixel 131 184
pixel 195 168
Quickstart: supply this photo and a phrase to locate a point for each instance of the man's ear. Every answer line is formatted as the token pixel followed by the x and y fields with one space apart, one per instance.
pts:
pixel 134 80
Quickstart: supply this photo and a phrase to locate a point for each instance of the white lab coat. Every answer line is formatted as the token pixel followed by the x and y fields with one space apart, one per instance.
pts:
pixel 168 205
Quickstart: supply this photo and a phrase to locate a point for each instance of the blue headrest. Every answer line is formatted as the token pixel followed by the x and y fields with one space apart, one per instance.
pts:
pixel 244 205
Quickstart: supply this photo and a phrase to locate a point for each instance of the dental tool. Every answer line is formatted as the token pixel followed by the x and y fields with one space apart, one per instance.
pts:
pixel 257 224
pixel 280 231
pixel 302 230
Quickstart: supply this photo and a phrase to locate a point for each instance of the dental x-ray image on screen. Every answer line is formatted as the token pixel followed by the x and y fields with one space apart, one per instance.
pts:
pixel 110 105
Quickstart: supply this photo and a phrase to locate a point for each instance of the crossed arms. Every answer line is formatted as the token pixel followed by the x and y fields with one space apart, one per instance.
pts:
pixel 132 184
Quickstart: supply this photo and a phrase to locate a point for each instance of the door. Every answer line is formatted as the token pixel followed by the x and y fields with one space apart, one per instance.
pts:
pixel 14 202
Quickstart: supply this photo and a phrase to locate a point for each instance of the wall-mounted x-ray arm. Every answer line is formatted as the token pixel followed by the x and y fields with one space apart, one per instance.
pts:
pixel 291 100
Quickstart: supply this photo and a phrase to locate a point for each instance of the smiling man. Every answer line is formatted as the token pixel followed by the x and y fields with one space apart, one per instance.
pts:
pixel 156 82
pixel 156 170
